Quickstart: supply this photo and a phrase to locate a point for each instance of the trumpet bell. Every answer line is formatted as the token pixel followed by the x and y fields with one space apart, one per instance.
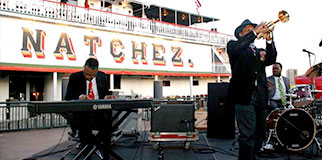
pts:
pixel 283 16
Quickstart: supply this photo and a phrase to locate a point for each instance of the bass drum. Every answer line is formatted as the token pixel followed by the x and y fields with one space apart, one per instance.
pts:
pixel 295 129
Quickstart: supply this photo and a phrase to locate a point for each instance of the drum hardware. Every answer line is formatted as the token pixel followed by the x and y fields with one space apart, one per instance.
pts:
pixel 314 71
pixel 309 107
pixel 318 122
pixel 304 96
pixel 270 135
pixel 293 129
pixel 303 134
pixel 316 91
pixel 290 106
pixel 291 96
pixel 318 143
pixel 268 145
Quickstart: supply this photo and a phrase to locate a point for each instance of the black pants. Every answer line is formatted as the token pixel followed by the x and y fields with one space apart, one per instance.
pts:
pixel 251 121
pixel 87 122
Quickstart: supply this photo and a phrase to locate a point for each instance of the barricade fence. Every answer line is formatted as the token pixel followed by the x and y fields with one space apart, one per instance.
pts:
pixel 14 116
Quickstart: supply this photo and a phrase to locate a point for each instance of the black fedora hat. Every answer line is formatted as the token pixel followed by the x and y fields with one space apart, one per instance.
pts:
pixel 240 28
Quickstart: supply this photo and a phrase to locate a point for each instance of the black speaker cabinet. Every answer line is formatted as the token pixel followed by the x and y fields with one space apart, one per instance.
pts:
pixel 221 117
pixel 173 117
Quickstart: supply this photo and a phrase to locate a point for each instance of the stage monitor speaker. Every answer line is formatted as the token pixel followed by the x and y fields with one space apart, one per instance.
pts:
pixel 173 117
pixel 221 116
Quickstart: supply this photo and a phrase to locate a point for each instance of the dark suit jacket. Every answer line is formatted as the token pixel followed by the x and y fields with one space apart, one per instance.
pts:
pixel 77 85
pixel 247 67
pixel 272 91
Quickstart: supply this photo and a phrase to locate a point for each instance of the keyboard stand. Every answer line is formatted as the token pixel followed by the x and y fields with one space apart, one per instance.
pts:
pixel 97 145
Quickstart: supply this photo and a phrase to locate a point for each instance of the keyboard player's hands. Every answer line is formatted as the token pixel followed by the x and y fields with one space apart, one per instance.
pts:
pixel 83 97
pixel 110 97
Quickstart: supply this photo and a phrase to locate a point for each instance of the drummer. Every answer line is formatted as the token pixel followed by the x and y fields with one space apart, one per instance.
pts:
pixel 278 88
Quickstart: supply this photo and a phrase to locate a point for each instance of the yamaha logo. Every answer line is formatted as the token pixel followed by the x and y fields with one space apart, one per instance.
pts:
pixel 102 106
pixel 95 107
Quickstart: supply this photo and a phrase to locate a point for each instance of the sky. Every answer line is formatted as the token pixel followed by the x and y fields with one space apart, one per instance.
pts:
pixel 303 31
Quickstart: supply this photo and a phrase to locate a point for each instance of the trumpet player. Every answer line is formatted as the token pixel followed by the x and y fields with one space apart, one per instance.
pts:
pixel 248 85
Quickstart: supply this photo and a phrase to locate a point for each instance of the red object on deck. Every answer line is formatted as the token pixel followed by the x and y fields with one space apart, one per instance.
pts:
pixel 305 80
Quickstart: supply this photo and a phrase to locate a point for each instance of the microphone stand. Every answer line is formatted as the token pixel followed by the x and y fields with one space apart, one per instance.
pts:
pixel 312 79
pixel 309 59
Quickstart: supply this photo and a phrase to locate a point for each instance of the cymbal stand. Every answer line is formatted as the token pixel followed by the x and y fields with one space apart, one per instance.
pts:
pixel 309 59
pixel 313 83
pixel 312 79
pixel 317 143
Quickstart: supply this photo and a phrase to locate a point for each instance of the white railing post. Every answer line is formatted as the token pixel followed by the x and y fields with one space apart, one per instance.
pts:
pixel 119 22
pixel 55 86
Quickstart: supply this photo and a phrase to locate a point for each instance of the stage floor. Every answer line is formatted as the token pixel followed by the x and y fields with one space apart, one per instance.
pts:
pixel 35 145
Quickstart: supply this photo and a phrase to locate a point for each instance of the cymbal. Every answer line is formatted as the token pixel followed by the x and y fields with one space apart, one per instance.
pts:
pixel 314 71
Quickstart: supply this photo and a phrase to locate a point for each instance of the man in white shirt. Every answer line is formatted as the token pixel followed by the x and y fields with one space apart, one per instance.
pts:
pixel 90 84
pixel 277 93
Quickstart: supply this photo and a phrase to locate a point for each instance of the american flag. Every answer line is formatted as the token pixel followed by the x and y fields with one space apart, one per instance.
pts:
pixel 198 5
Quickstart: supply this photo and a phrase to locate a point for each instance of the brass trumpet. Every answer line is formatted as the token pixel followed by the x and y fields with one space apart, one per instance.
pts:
pixel 283 16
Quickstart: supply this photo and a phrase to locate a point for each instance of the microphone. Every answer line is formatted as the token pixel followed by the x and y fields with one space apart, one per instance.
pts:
pixel 304 50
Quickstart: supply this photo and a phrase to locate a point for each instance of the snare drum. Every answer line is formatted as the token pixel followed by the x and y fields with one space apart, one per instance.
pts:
pixel 294 129
pixel 303 95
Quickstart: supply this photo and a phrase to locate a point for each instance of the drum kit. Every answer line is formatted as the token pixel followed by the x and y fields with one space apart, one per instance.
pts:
pixel 295 127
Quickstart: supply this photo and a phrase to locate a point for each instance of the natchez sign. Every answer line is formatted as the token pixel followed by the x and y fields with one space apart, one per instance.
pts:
pixel 29 43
